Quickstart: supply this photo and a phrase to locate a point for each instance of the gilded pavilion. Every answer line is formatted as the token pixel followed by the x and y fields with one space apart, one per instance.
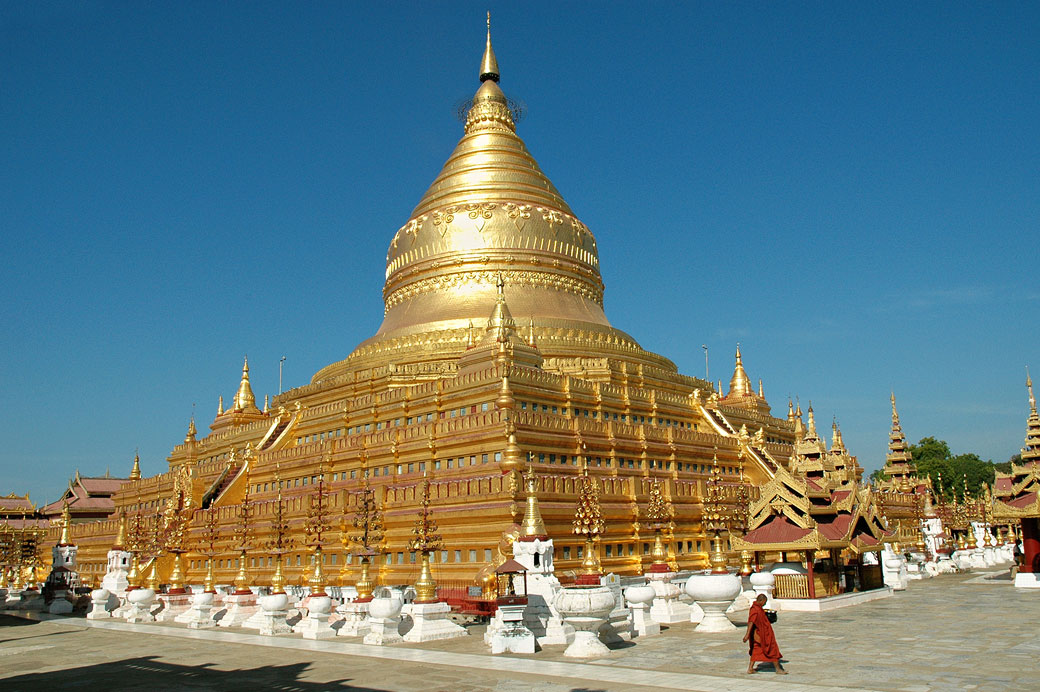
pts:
pixel 495 352
pixel 1016 495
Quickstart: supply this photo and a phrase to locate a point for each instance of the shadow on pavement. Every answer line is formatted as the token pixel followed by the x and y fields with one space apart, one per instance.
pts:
pixel 147 674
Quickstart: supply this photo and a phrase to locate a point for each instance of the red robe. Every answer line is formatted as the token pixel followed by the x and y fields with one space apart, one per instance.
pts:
pixel 765 648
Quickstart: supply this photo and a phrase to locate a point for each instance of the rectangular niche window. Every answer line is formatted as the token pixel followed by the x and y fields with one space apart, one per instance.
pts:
pixel 609 550
pixel 484 460
pixel 487 554
pixel 566 552
pixel 473 556
pixel 458 556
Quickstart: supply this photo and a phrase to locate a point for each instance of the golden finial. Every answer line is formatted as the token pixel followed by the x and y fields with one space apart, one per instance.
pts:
pixel 895 413
pixel 533 526
pixel 469 335
pixel 220 405
pixel 739 384
pixel 489 65
pixel 811 428
pixel 1029 386
pixel 761 391
pixel 790 410
pixel 244 400
pixel 530 334
pixel 121 533
pixel 267 402
pixel 135 472
pixel 190 436
pixel 66 521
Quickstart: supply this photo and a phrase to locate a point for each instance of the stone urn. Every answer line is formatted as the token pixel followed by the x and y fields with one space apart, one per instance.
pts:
pixel 714 593
pixel 141 601
pixel 273 603
pixel 99 604
pixel 639 598
pixel 384 618
pixel 762 583
pixel 585 608
pixel 385 607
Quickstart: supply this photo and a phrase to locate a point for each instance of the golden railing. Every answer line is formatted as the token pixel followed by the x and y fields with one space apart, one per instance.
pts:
pixel 791 586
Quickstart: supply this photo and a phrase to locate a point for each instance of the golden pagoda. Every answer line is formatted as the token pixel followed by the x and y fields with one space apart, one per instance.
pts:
pixel 450 389
pixel 1016 496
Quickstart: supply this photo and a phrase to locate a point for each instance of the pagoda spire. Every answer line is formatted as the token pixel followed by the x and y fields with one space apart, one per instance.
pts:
pixel 244 401
pixel 66 522
pixel 739 384
pixel 1031 450
pixel 192 431
pixel 799 427
pixel 837 444
pixel 135 472
pixel 811 428
pixel 790 410
pixel 898 462
pixel 489 64
pixel 533 526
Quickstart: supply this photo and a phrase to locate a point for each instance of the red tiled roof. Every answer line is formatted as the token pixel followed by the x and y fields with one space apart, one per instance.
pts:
pixel 840 495
pixel 778 530
pixel 836 528
pixel 102 485
pixel 812 484
pixel 1002 484
pixel 1023 501
pixel 15 503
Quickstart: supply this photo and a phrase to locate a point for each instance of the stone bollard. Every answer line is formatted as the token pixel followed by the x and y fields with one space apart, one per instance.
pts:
pixel 639 599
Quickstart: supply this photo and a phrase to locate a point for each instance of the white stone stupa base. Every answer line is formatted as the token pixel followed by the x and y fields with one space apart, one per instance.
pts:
pixel 430 622
pixel 239 608
pixel 174 605
pixel 355 620
pixel 382 631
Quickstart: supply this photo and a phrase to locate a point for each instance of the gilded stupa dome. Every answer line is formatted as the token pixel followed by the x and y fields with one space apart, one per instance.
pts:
pixel 490 213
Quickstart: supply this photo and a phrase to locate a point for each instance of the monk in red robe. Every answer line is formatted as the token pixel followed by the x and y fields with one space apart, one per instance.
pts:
pixel 761 640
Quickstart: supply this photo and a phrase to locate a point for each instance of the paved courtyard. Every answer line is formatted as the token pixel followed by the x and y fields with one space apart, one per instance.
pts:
pixel 953 632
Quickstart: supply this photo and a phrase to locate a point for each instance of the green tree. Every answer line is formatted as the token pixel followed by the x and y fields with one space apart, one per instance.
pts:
pixel 932 457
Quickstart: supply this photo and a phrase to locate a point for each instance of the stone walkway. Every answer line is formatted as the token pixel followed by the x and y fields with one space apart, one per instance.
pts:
pixel 949 633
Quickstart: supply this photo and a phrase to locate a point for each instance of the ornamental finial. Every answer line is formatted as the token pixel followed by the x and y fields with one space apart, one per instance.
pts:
pixel 135 472
pixel 1029 386
pixel 489 64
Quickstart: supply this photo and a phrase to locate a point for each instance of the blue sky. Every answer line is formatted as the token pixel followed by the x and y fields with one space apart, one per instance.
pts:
pixel 849 191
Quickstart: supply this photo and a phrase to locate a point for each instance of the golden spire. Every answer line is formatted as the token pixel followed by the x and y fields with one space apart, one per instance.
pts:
pixel 1031 450
pixel 530 334
pixel 811 428
pixel 469 336
pixel 121 533
pixel 898 461
pixel 790 410
pixel 837 443
pixel 66 521
pixel 761 391
pixel 190 437
pixel 220 405
pixel 533 526
pixel 135 472
pixel 244 401
pixel 799 427
pixel 1029 386
pixel 739 384
pixel 501 321
pixel 488 64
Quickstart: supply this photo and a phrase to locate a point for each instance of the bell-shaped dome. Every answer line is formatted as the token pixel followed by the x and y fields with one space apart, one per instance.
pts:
pixel 491 211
